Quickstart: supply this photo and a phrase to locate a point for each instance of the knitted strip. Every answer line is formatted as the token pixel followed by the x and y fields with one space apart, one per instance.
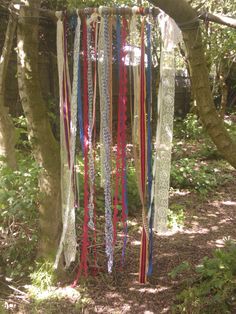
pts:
pixel 80 105
pixel 124 91
pixel 90 128
pixel 101 95
pixel 149 144
pixel 107 145
pixel 118 152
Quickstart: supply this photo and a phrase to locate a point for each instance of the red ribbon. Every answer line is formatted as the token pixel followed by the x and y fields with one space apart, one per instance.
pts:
pixel 143 253
pixel 121 136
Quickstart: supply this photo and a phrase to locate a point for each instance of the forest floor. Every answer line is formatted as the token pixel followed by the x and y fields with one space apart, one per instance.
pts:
pixel 209 222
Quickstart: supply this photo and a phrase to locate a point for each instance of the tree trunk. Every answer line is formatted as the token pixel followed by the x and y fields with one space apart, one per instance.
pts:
pixel 7 130
pixel 186 17
pixel 224 72
pixel 45 147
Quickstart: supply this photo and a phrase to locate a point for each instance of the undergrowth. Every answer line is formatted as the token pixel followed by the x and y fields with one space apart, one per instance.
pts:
pixel 18 217
pixel 212 288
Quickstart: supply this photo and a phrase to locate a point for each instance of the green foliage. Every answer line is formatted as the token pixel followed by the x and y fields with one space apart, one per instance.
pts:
pixel 134 203
pixel 189 173
pixel 176 216
pixel 18 216
pixel 22 141
pixel 2 308
pixel 43 276
pixel 190 128
pixel 214 286
pixel 181 268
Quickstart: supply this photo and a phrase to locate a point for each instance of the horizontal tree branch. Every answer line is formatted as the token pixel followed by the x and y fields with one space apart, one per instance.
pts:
pixel 219 19
pixel 203 15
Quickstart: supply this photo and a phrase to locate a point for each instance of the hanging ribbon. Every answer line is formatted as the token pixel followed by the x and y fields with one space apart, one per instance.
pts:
pixel 85 240
pixel 91 116
pixel 68 113
pixel 121 175
pixel 79 102
pixel 143 150
pixel 90 127
pixel 171 35
pixel 149 143
pixel 106 136
pixel 101 96
pixel 118 153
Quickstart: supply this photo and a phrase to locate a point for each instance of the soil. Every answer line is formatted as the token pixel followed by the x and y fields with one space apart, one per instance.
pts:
pixel 209 222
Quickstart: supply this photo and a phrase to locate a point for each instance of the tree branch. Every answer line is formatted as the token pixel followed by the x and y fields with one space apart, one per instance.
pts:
pixel 219 19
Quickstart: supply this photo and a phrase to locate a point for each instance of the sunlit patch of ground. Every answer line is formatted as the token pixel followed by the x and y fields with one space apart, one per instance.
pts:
pixel 209 223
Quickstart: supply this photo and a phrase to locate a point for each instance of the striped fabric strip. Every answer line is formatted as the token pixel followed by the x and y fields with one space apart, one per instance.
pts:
pixel 149 144
pixel 142 134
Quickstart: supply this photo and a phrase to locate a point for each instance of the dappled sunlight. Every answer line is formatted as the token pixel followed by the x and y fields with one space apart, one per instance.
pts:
pixel 135 242
pixel 198 230
pixel 229 203
pixel 150 290
pixel 21 53
pixel 53 292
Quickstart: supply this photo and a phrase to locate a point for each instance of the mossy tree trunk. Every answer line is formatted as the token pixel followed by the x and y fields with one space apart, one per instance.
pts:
pixel 7 130
pixel 45 147
pixel 186 17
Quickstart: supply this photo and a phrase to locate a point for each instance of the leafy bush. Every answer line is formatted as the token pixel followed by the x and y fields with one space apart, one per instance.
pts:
pixel 43 276
pixel 22 141
pixel 213 288
pixel 18 216
pixel 189 128
pixel 188 173
pixel 176 216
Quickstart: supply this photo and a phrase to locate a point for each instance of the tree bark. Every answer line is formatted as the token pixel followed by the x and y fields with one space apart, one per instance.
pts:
pixel 7 130
pixel 186 17
pixel 45 147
